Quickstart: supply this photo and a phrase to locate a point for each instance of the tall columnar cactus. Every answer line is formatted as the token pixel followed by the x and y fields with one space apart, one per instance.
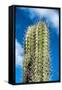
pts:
pixel 36 54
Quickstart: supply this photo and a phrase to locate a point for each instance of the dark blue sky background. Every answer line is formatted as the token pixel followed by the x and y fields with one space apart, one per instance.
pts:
pixel 23 20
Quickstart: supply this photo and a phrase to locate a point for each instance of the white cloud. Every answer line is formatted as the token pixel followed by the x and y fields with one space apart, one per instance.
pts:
pixel 50 14
pixel 19 54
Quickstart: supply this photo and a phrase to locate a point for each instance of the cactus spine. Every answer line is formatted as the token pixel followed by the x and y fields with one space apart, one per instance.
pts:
pixel 36 55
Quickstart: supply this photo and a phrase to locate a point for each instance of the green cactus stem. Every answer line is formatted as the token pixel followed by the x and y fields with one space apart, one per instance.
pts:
pixel 36 54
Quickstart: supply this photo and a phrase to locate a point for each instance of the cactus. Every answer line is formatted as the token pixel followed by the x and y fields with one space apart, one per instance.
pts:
pixel 36 54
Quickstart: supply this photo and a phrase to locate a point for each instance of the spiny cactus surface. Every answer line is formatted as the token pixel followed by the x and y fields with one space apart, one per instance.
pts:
pixel 36 54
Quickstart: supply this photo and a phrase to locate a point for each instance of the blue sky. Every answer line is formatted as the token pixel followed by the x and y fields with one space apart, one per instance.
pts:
pixel 29 16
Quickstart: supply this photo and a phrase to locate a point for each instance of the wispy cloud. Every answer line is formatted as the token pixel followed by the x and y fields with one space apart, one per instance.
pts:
pixel 50 14
pixel 19 54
